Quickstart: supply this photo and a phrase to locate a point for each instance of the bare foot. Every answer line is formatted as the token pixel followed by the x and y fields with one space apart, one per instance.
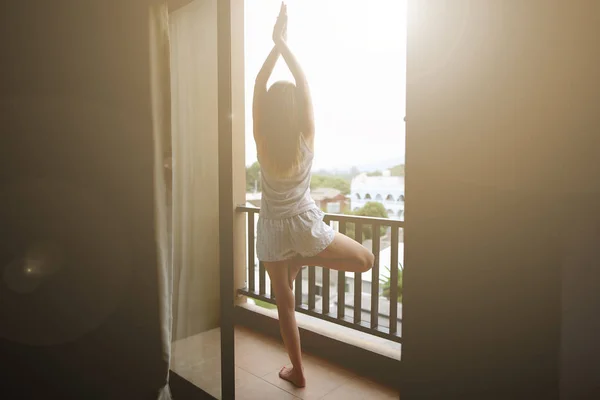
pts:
pixel 293 376
pixel 292 272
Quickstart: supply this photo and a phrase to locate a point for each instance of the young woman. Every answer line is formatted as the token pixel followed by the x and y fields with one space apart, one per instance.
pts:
pixel 291 232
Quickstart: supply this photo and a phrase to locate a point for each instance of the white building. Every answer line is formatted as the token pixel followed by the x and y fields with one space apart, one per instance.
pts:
pixel 253 199
pixel 386 189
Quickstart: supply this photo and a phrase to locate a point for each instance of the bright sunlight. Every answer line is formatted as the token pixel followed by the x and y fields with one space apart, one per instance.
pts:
pixel 354 56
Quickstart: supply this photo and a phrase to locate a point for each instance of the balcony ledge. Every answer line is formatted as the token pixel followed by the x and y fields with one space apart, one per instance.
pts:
pixel 368 355
pixel 374 344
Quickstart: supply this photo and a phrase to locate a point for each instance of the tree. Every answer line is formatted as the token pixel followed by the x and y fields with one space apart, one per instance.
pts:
pixel 397 170
pixel 387 283
pixel 317 180
pixel 370 209
pixel 325 181
pixel 375 173
pixel 253 177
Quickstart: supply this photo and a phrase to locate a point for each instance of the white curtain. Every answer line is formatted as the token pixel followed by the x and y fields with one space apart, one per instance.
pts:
pixel 161 122
pixel 196 310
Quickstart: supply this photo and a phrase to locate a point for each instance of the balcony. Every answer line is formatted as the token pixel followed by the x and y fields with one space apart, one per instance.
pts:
pixel 352 300
pixel 259 380
pixel 349 320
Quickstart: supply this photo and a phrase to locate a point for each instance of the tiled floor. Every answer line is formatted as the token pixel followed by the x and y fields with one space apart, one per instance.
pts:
pixel 258 361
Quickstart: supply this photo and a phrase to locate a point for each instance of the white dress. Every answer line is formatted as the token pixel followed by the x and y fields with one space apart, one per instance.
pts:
pixel 290 224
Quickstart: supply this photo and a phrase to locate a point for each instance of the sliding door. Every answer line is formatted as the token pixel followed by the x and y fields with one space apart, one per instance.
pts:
pixel 203 207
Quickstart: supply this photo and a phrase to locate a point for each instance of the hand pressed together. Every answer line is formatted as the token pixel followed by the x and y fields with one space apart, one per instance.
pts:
pixel 280 29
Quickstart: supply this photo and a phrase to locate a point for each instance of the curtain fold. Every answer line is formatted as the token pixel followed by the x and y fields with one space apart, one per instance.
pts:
pixel 160 84
pixel 196 346
pixel 195 176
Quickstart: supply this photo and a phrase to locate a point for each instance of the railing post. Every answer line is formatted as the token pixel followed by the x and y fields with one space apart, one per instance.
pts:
pixel 394 283
pixel 298 287
pixel 311 287
pixel 375 278
pixel 373 327
pixel 341 295
pixel 261 279
pixel 325 280
pixel 358 235
pixel 251 266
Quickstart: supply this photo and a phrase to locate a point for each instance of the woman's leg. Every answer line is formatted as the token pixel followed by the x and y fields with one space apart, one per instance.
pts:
pixel 343 254
pixel 284 297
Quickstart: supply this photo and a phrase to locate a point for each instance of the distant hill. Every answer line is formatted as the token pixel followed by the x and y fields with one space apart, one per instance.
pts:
pixel 396 166
pixel 338 178
pixel 380 165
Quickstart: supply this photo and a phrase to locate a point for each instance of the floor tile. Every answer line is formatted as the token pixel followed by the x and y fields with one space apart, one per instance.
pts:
pixel 257 389
pixel 258 361
pixel 242 377
pixel 321 378
pixel 192 350
pixel 260 356
pixel 361 389
pixel 206 374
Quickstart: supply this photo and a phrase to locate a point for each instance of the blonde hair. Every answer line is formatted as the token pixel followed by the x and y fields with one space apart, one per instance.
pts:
pixel 279 134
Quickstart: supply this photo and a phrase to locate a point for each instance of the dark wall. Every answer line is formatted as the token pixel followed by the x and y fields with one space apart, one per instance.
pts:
pixel 75 110
pixel 580 330
pixel 502 146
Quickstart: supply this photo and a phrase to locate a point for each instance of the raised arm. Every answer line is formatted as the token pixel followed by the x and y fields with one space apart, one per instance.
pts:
pixel 266 70
pixel 260 85
pixel 307 115
pixel 280 39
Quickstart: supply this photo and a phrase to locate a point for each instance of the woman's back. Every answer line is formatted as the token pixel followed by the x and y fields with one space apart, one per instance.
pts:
pixel 288 195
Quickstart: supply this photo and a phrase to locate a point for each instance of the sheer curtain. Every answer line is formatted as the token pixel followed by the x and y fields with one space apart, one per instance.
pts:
pixel 196 336
pixel 161 122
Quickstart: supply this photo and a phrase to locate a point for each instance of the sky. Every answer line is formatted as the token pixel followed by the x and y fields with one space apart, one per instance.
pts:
pixel 354 56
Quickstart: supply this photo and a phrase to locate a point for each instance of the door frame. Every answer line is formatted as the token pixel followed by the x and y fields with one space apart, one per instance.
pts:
pixel 226 196
pixel 226 204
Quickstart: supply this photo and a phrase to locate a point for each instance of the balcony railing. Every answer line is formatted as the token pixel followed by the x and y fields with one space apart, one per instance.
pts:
pixel 334 306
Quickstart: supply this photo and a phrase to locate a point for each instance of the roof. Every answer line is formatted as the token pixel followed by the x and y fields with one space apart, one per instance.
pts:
pixel 324 193
pixel 253 196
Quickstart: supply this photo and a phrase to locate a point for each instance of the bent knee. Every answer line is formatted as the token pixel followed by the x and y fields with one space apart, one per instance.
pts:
pixel 366 260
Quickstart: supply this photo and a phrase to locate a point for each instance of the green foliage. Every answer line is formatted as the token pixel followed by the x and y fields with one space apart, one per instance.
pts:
pixel 252 177
pixel 398 170
pixel 370 209
pixel 387 282
pixel 264 304
pixel 339 182
pixel 327 181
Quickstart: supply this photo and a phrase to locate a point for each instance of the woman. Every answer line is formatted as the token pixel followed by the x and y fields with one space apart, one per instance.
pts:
pixel 291 232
